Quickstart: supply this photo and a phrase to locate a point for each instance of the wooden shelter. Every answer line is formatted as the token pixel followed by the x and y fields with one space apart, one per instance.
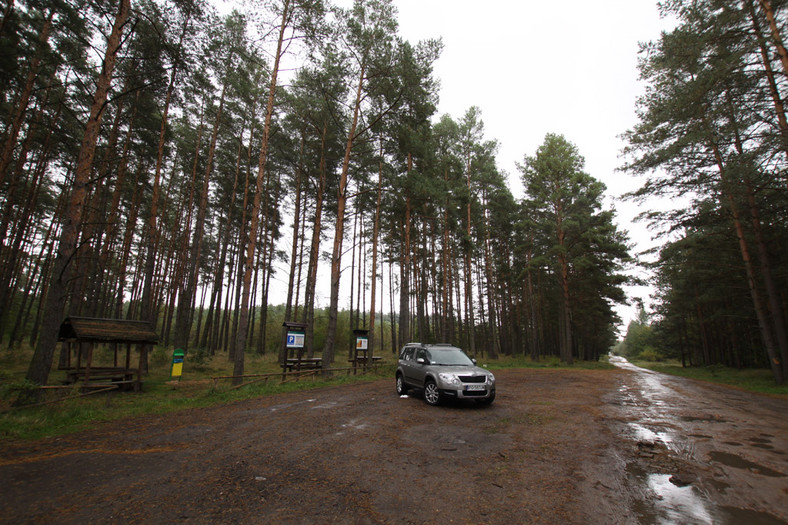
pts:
pixel 86 332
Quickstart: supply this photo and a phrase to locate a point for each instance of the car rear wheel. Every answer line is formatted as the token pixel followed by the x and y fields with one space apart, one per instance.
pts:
pixel 432 395
pixel 401 388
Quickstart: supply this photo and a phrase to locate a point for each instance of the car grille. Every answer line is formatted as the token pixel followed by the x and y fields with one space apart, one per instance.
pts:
pixel 475 393
pixel 473 379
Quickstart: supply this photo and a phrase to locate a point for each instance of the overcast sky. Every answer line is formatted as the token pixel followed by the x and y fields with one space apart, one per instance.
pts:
pixel 538 67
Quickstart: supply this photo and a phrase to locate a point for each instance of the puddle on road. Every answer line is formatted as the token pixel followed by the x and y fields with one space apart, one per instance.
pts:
pixel 675 443
pixel 672 504
pixel 643 433
pixel 665 504
pixel 736 461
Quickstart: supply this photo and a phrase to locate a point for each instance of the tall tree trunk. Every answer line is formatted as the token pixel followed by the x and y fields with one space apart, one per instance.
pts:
pixel 760 310
pixel 40 365
pixel 183 276
pixel 291 282
pixel 24 100
pixel 495 341
pixel 111 229
pixel 446 335
pixel 212 323
pixel 183 322
pixel 776 311
pixel 243 317
pixel 779 107
pixel 469 314
pixel 8 261
pixel 394 342
pixel 404 285
pixel 339 229
pixel 565 328
pixel 353 317
pixel 149 309
pixel 294 249
pixel 314 250
pixel 777 38
pixel 125 252
pixel 375 230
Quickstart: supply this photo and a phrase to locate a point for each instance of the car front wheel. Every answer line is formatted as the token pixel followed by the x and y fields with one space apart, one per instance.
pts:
pixel 401 388
pixel 431 393
pixel 488 401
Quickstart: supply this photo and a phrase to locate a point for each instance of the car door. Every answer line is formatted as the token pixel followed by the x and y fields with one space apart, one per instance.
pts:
pixel 407 364
pixel 420 368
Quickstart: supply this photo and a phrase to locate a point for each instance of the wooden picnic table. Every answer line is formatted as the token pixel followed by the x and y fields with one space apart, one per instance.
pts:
pixel 124 378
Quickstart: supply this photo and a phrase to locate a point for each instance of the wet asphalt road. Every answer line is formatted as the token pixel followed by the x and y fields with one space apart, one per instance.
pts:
pixel 732 448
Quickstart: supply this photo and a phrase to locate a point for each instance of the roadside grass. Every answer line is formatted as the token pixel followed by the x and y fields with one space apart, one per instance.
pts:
pixel 67 412
pixel 754 380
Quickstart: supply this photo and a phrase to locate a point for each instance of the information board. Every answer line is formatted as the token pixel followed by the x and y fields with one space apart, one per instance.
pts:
pixel 295 339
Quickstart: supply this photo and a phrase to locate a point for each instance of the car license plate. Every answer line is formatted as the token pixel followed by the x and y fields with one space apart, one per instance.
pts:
pixel 474 387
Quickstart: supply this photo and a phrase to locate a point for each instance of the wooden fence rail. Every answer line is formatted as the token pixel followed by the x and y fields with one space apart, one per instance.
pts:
pixel 287 375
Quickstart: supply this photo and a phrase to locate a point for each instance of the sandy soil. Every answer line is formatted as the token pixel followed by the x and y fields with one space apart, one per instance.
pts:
pixel 556 447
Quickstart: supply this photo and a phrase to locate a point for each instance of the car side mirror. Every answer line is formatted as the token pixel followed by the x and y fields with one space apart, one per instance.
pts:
pixel 421 361
pixel 473 360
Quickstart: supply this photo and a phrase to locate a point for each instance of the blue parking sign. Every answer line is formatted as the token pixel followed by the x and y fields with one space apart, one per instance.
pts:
pixel 295 339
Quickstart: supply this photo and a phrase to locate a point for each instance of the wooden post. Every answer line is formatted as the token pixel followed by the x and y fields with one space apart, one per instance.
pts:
pixel 88 362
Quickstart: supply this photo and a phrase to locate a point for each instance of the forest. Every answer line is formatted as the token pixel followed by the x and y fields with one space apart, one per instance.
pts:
pixel 164 161
pixel 713 136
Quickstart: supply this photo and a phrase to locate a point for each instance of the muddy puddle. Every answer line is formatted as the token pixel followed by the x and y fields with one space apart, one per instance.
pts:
pixel 700 457
pixel 663 501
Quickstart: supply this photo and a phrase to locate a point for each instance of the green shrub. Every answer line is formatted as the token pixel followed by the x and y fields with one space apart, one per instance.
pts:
pixel 649 354
pixel 11 389
pixel 198 357
pixel 159 357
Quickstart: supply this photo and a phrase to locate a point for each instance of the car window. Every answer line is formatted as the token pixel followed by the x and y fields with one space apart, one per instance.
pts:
pixel 421 353
pixel 450 356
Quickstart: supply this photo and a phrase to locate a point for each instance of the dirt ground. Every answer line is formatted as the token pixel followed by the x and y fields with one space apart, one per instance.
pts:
pixel 557 446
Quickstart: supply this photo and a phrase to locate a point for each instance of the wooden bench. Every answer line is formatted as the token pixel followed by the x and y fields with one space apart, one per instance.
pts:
pixel 363 361
pixel 305 363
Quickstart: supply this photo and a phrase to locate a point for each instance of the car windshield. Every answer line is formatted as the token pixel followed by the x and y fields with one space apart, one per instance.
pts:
pixel 449 357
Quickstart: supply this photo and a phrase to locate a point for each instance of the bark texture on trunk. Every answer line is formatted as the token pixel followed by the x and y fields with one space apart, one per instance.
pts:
pixel 243 317
pixel 56 297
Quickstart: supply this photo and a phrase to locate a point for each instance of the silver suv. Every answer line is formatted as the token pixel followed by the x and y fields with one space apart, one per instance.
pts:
pixel 443 371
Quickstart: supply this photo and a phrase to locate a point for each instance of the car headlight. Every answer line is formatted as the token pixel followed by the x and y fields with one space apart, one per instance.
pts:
pixel 490 378
pixel 450 379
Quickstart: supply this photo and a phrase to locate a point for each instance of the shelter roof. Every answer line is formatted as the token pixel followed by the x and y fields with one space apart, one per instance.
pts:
pixel 90 329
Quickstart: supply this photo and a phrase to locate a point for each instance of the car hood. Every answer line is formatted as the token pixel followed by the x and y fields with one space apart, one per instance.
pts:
pixel 461 370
